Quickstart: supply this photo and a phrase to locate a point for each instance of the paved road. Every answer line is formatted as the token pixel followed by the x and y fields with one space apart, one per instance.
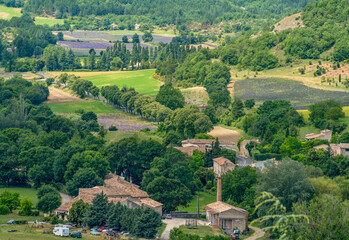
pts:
pixel 243 161
pixel 43 75
pixel 173 223
pixel 258 233
pixel 65 198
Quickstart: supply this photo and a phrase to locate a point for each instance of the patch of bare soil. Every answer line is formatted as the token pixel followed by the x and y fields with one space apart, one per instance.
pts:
pixel 4 15
pixel 289 22
pixel 226 135
pixel 59 96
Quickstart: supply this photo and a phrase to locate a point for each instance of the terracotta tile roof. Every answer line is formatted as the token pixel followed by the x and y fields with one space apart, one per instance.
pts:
pixel 323 146
pixel 150 202
pixel 219 207
pixel 344 145
pixel 206 141
pixel 222 160
pixel 190 150
pixel 313 136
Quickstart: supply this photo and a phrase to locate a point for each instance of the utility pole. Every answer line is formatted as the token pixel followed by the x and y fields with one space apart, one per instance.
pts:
pixel 197 204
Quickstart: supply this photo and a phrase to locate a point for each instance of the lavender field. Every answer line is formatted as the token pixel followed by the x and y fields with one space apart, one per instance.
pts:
pixel 105 36
pixel 123 122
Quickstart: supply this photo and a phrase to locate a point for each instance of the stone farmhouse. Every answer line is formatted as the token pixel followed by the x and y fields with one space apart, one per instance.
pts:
pixel 224 215
pixel 222 165
pixel 117 190
pixel 190 150
pixel 336 149
pixel 323 135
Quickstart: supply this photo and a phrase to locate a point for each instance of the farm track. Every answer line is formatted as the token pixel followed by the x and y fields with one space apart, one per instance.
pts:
pixel 59 96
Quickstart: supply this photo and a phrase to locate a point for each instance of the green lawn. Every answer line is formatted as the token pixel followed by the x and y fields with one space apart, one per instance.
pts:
pixel 94 106
pixel 48 21
pixel 28 233
pixel 5 218
pixel 202 231
pixel 204 199
pixel 142 81
pixel 8 12
pixel 24 192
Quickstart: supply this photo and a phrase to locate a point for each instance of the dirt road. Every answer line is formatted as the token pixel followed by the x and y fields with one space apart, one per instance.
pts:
pixel 258 233
pixel 173 223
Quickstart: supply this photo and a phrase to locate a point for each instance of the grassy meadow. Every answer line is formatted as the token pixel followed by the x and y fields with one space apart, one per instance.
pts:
pixel 8 12
pixel 141 80
pixel 48 21
pixel 24 192
pixel 93 106
pixel 204 199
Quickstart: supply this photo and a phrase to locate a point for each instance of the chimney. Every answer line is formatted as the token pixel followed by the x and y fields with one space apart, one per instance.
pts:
pixel 219 189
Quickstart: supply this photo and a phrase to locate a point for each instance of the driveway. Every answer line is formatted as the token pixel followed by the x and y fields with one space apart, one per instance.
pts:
pixel 174 223
pixel 65 198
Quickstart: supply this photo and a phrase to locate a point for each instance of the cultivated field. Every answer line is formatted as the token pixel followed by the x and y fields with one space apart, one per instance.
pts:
pixel 300 95
pixel 60 96
pixel 224 134
pixel 195 95
pixel 141 80
pixel 124 122
pixel 25 75
pixel 118 135
pixel 90 105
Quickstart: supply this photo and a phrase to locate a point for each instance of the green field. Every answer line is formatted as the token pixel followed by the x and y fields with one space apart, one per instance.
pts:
pixel 28 233
pixel 204 199
pixel 93 106
pixel 48 21
pixel 202 231
pixel 5 218
pixel 142 81
pixel 8 12
pixel 24 192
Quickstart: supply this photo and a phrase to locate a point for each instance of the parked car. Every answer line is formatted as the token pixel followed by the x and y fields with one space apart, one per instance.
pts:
pixel 76 235
pixel 101 229
pixel 168 216
pixel 71 224
pixel 12 221
pixel 95 233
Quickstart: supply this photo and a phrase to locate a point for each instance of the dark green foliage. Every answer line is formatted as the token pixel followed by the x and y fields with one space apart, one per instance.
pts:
pixel 173 138
pixel 135 38
pixel 170 97
pixel 60 36
pixel 97 213
pixel 77 212
pixel 147 37
pixel 89 116
pixel 4 210
pixel 287 181
pixel 83 178
pixel 49 202
pixel 249 103
pixel 10 199
pixel 147 223
pixel 45 189
pixel 344 138
pixel 113 128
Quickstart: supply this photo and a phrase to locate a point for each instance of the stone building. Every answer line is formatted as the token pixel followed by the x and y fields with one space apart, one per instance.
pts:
pixel 117 190
pixel 323 135
pixel 222 165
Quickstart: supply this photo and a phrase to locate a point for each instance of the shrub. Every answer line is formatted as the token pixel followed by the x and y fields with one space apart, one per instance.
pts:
pixel 113 128
pixel 54 219
pixel 34 213
pixel 21 222
pixel 4 210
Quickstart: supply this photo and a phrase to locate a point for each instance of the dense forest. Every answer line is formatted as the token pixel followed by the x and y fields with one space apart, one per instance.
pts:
pixel 169 12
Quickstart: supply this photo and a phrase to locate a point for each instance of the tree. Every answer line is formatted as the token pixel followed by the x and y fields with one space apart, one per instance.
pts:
pixel 10 199
pixel 45 189
pixel 170 192
pixel 77 212
pixel 327 109
pixel 170 97
pixel 237 108
pixel 344 138
pixel 125 39
pixel 26 207
pixel 89 116
pixel 83 178
pixel 147 223
pixel 60 36
pixel 49 202
pixel 249 103
pixel 115 218
pixel 147 37
pixel 287 181
pixel 135 38
pixel 97 213
pixel 327 216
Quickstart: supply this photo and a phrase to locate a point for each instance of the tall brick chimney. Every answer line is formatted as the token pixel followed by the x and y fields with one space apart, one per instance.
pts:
pixel 219 189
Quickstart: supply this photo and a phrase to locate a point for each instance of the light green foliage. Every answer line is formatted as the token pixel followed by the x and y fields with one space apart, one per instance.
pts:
pixel 26 207
pixel 77 212
pixel 10 199
pixel 286 181
pixel 4 210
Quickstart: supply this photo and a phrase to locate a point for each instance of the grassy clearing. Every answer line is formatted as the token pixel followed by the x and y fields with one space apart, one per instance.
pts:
pixel 8 12
pixel 35 233
pixel 93 106
pixel 300 95
pixel 202 231
pixel 5 218
pixel 204 199
pixel 48 21
pixel 118 135
pixel 141 80
pixel 24 192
